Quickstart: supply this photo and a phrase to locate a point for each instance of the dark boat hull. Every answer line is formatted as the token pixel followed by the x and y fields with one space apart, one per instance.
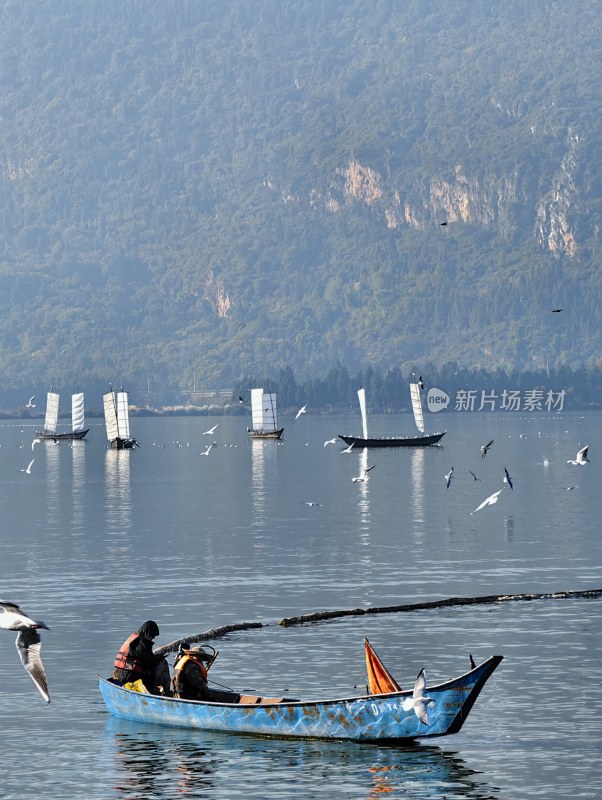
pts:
pixel 266 434
pixel 394 441
pixel 123 444
pixel 58 436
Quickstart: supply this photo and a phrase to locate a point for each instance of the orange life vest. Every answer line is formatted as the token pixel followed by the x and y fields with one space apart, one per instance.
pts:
pixel 123 659
pixel 178 673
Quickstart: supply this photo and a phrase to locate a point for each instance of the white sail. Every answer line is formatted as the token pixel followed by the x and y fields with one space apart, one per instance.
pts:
pixel 361 393
pixel 257 409
pixel 52 412
pixel 77 412
pixel 110 406
pixel 263 411
pixel 123 415
pixel 270 417
pixel 417 406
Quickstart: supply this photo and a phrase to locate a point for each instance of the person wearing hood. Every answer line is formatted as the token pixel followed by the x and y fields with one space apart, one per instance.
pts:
pixel 136 660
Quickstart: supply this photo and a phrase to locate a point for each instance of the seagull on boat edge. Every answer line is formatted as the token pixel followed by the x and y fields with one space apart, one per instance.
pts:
pixel 28 642
pixel 419 699
pixel 581 457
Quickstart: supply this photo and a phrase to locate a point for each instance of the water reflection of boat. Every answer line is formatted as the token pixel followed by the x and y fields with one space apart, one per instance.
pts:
pixel 183 762
pixel 118 490
pixel 371 717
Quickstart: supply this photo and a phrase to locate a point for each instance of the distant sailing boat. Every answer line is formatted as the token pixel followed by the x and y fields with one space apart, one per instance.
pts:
pixel 394 441
pixel 78 429
pixel 264 416
pixel 117 420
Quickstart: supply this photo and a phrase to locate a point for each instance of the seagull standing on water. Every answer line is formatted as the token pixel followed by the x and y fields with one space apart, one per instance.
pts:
pixel 211 431
pixel 485 448
pixel 302 410
pixel 489 501
pixel 28 643
pixel 581 457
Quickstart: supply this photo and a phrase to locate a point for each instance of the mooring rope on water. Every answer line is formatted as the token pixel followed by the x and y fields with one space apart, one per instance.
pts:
pixel 322 616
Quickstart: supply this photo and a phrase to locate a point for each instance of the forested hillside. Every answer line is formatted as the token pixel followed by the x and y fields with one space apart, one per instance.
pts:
pixel 196 191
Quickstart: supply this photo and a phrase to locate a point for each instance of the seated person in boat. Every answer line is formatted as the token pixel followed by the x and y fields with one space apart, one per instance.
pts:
pixel 137 661
pixel 190 676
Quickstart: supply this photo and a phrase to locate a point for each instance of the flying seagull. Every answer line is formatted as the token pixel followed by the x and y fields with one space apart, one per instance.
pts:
pixel 363 476
pixel 207 451
pixel 419 699
pixel 474 477
pixel 581 457
pixel 421 384
pixel 485 448
pixel 27 469
pixel 241 399
pixel 489 501
pixel 211 431
pixel 448 477
pixel 348 449
pixel 28 643
pixel 34 442
pixel 507 478
pixel 330 441
pixel 30 403
pixel 302 410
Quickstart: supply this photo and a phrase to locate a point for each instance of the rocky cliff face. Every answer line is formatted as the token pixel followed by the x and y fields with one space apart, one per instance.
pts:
pixel 492 202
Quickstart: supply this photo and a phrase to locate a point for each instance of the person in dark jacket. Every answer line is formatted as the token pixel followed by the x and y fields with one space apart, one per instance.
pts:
pixel 190 676
pixel 136 660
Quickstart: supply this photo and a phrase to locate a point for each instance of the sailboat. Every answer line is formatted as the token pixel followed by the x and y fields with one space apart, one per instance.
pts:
pixel 264 416
pixel 117 420
pixel 395 441
pixel 78 431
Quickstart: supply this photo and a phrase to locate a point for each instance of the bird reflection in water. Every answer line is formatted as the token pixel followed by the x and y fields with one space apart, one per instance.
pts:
pixel 162 768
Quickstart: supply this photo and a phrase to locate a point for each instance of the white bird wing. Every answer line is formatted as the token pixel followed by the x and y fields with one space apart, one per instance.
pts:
pixel 582 454
pixel 29 466
pixel 489 501
pixel 28 646
pixel 419 698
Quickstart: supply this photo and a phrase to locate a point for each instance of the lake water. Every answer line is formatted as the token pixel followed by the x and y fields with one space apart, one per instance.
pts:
pixel 95 541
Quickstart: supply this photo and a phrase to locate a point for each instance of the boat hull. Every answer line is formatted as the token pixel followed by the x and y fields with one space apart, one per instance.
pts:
pixel 58 436
pixel 123 444
pixel 370 718
pixel 266 434
pixel 394 441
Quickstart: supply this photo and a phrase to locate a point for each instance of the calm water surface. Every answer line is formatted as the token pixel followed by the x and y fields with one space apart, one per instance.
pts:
pixel 95 541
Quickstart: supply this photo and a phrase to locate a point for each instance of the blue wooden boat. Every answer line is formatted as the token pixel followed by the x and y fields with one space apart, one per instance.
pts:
pixel 372 717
